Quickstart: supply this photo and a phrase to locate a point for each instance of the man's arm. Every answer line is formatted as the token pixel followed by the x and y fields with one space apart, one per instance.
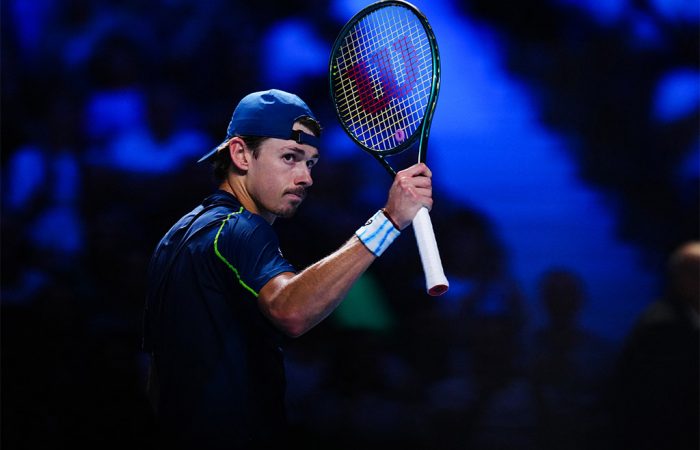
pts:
pixel 295 303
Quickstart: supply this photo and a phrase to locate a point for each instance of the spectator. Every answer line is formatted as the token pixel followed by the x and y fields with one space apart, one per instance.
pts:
pixel 657 395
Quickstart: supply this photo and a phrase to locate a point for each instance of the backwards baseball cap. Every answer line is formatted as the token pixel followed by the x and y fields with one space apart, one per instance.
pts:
pixel 268 114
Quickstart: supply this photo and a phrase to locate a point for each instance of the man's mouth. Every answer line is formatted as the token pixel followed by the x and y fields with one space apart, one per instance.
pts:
pixel 300 193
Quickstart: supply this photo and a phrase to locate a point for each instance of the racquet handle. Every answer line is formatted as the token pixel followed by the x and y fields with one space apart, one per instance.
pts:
pixel 435 280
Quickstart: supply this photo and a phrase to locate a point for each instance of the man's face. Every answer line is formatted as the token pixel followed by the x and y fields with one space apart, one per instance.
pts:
pixel 278 179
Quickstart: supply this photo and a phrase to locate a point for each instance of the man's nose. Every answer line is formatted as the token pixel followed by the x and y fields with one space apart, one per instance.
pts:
pixel 304 177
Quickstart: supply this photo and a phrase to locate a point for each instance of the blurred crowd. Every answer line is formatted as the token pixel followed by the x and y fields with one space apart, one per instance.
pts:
pixel 104 116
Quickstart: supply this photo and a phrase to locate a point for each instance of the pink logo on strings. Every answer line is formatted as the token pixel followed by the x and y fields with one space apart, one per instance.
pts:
pixel 390 88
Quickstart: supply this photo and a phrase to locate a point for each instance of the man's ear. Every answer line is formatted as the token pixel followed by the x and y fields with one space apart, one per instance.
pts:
pixel 240 156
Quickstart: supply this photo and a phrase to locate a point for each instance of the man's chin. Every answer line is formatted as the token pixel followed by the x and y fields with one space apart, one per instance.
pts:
pixel 287 213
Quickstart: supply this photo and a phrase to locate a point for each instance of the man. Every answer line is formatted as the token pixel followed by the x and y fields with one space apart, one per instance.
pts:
pixel 657 393
pixel 221 296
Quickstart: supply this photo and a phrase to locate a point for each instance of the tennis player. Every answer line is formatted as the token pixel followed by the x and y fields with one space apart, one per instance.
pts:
pixel 222 297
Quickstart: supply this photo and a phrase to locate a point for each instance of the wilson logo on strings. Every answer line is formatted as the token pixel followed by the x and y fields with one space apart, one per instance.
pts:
pixel 390 88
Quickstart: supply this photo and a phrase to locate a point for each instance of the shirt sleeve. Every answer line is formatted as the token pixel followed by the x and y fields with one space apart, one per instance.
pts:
pixel 251 247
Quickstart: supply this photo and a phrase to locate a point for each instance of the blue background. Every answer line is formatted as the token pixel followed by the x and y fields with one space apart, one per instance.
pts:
pixel 565 138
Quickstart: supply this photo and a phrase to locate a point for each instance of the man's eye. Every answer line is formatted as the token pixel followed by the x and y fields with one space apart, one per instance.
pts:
pixel 310 163
pixel 288 157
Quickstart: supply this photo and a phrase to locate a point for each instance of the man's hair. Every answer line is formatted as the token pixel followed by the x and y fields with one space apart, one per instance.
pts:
pixel 222 161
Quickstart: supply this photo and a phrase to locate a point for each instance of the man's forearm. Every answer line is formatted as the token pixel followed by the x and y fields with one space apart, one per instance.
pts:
pixel 298 302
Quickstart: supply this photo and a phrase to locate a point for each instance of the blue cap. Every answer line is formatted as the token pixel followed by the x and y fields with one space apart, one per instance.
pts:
pixel 268 114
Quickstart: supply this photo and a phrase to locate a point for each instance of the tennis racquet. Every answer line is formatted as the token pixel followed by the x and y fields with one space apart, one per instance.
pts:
pixel 384 83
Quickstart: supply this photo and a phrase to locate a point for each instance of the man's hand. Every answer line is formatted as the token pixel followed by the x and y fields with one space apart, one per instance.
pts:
pixel 412 189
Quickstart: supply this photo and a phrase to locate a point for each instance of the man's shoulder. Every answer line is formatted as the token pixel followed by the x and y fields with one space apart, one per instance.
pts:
pixel 242 222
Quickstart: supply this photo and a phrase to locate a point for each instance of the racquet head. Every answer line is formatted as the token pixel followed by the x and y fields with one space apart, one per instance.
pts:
pixel 384 77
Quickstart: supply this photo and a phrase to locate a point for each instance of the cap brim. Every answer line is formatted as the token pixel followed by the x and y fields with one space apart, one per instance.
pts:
pixel 213 152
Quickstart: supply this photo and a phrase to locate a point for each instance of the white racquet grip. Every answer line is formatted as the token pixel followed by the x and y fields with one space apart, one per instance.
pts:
pixel 435 280
pixel 378 233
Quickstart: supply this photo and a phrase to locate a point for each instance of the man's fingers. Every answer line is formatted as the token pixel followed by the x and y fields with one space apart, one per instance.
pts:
pixel 415 176
pixel 423 192
pixel 422 182
pixel 417 170
pixel 424 196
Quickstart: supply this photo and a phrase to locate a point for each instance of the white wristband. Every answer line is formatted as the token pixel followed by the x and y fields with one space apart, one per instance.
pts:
pixel 378 233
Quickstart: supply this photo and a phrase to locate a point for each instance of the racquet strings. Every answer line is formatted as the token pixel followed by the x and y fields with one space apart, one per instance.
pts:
pixel 383 78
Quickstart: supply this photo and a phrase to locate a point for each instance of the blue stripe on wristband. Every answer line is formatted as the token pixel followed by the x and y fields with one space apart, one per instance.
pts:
pixel 378 233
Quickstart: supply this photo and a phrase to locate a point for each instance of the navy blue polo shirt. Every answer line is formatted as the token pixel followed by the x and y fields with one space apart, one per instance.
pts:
pixel 218 362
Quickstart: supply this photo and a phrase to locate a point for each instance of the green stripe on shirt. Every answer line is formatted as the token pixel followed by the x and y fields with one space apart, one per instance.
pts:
pixel 221 257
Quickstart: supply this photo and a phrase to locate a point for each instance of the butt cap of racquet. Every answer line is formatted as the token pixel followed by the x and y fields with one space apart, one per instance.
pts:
pixel 438 290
